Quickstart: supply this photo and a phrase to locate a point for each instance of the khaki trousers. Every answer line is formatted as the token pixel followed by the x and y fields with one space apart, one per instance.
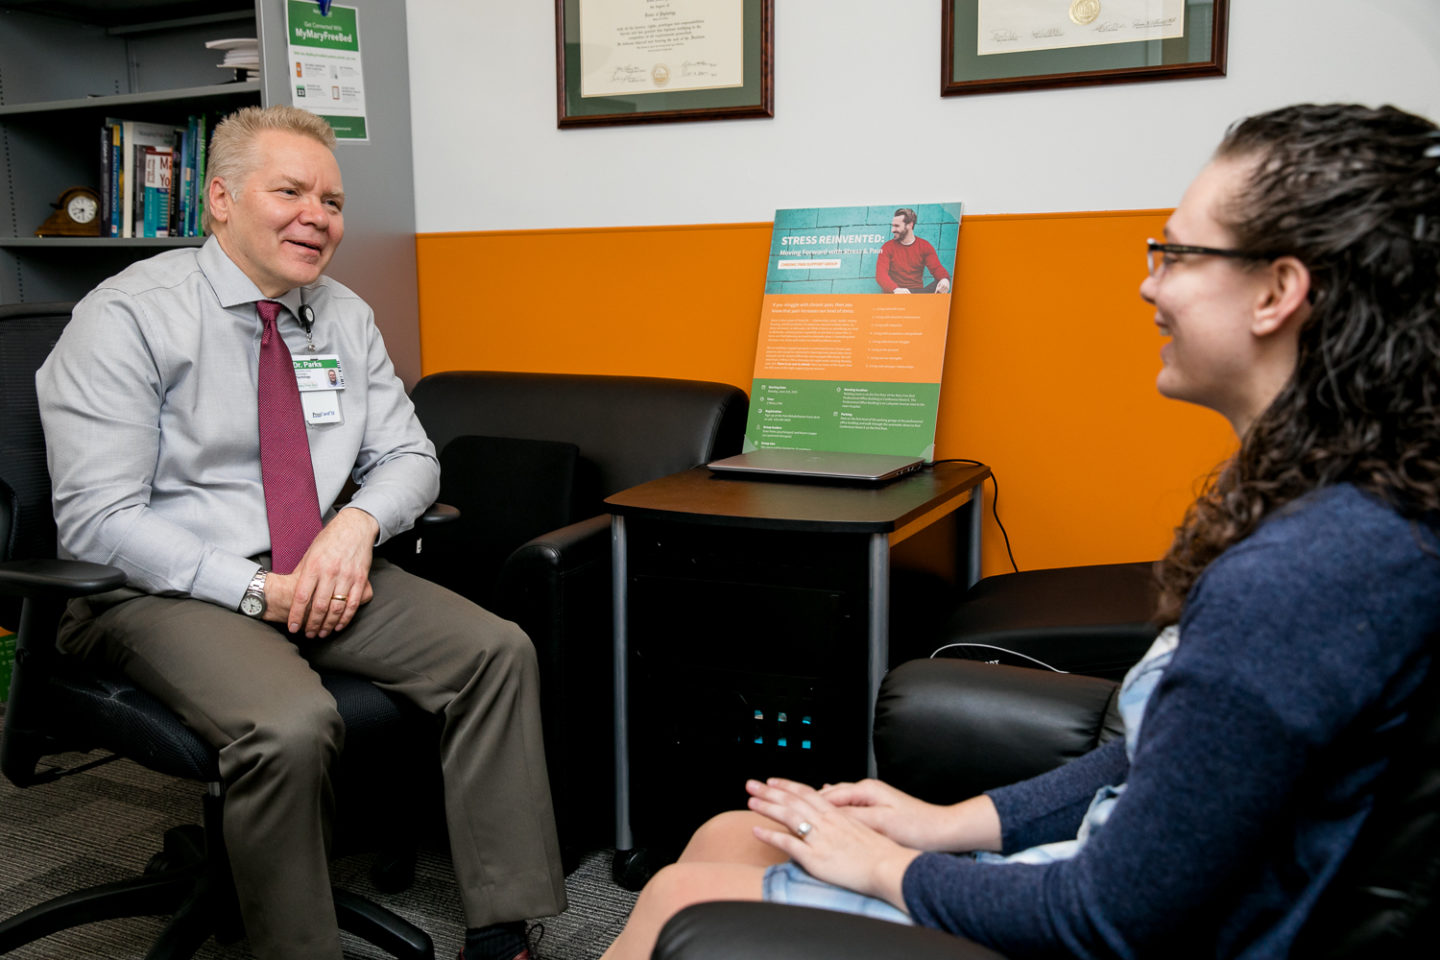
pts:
pixel 248 690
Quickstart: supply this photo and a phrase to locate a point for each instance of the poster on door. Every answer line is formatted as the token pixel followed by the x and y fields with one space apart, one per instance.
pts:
pixel 326 74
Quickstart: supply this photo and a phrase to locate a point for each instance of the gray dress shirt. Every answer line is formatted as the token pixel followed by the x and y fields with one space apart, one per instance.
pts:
pixel 149 407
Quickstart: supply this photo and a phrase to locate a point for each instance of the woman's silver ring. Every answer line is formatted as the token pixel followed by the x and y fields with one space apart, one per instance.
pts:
pixel 803 828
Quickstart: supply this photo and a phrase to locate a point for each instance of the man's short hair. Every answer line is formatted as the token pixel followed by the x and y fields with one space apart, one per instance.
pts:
pixel 909 215
pixel 233 155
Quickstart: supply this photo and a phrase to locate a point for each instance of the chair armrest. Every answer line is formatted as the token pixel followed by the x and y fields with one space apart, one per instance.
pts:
pixel 437 514
pixel 57 579
pixel 403 548
pixel 949 729
pixel 45 585
pixel 768 931
pixel 557 579
pixel 581 542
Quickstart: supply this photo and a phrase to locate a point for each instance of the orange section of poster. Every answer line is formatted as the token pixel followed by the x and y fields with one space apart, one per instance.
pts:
pixel 892 339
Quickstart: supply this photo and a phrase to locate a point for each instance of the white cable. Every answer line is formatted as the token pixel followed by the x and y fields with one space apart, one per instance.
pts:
pixel 1013 653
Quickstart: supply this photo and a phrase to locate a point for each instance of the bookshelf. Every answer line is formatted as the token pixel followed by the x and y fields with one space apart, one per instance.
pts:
pixel 64 68
pixel 66 65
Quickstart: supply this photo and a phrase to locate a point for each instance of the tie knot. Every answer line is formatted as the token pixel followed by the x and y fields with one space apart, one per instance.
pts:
pixel 269 310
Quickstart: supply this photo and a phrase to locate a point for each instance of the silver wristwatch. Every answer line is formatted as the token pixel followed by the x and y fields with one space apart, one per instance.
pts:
pixel 253 603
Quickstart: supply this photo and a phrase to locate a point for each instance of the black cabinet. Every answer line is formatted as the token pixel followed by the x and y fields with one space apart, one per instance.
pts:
pixel 755 620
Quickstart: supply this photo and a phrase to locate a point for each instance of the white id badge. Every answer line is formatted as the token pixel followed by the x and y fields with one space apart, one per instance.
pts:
pixel 320 379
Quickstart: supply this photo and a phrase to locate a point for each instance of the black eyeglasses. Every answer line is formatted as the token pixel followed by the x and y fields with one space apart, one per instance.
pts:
pixel 1156 265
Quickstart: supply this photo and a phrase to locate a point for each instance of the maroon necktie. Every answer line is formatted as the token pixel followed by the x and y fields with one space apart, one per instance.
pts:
pixel 291 504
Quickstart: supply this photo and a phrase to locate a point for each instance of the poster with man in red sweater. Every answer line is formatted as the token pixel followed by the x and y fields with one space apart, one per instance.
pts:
pixel 901 265
pixel 840 364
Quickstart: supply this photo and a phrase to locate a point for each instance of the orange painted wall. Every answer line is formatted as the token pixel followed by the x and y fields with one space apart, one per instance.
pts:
pixel 1049 368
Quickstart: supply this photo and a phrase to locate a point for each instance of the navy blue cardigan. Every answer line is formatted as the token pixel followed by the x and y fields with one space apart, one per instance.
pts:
pixel 1256 762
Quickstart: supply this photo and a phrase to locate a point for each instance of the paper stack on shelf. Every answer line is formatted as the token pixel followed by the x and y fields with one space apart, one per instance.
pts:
pixel 242 54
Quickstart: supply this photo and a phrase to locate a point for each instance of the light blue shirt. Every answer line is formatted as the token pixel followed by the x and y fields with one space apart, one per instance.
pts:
pixel 149 407
pixel 1135 691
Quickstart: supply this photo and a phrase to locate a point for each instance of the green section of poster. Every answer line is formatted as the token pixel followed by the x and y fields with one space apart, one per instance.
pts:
pixel 846 416
pixel 347 128
pixel 336 30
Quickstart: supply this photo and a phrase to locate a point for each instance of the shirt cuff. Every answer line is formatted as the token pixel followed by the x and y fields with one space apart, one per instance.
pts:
pixel 222 579
pixel 382 509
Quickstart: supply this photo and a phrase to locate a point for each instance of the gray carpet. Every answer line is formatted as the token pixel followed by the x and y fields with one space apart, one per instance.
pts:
pixel 104 824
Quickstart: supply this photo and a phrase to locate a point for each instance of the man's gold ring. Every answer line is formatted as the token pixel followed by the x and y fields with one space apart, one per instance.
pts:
pixel 338 596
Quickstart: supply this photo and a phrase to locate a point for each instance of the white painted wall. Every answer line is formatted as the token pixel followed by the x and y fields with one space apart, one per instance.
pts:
pixel 866 74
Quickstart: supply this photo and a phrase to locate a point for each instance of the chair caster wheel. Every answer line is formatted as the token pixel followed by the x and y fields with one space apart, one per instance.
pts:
pixel 184 847
pixel 632 869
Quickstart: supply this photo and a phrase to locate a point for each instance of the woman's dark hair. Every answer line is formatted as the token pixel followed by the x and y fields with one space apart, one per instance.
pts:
pixel 1354 194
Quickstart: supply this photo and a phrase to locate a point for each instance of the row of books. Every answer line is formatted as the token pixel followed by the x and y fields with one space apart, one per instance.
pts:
pixel 151 178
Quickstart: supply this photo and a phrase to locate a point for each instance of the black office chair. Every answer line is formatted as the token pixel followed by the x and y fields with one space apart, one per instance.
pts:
pixel 59 706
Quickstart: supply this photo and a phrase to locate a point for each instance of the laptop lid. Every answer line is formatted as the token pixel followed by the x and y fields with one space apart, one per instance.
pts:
pixel 821 464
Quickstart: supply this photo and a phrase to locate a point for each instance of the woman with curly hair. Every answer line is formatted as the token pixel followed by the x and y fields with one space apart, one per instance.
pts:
pixel 1299 289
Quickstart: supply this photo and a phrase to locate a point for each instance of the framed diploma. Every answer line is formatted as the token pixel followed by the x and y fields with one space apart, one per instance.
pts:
pixel 989 46
pixel 652 61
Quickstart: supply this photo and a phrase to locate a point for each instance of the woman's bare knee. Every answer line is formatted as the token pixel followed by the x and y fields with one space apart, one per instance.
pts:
pixel 675 888
pixel 730 838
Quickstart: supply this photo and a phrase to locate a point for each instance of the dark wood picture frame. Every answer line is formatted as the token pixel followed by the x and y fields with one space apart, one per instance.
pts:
pixel 755 99
pixel 962 72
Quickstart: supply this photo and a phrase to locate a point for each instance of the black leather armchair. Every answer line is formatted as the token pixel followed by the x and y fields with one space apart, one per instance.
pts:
pixel 945 730
pixel 58 706
pixel 1095 620
pixel 528 458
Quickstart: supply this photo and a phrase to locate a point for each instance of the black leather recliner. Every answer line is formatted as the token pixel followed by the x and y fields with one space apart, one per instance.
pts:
pixel 946 730
pixel 528 458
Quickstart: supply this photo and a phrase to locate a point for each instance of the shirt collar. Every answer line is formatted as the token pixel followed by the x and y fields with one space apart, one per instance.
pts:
pixel 232 287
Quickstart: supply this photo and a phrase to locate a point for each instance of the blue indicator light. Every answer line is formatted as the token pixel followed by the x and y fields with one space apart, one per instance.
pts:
pixel 759 714
pixel 804 744
pixel 780 742
pixel 805 720
pixel 760 740
pixel 781 717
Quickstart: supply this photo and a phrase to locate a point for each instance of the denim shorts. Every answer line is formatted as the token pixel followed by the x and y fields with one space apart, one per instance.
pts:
pixel 788 883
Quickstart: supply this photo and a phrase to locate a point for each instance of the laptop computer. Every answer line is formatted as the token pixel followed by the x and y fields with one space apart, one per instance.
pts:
pixel 819 464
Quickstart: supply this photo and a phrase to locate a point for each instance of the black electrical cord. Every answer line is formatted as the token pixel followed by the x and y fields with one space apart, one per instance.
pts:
pixel 994 505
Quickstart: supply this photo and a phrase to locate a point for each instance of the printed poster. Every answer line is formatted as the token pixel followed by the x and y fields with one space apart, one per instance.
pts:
pixel 326 76
pixel 852 330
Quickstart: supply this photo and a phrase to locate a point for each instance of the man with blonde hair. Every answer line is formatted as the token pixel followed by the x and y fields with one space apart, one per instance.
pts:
pixel 190 447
